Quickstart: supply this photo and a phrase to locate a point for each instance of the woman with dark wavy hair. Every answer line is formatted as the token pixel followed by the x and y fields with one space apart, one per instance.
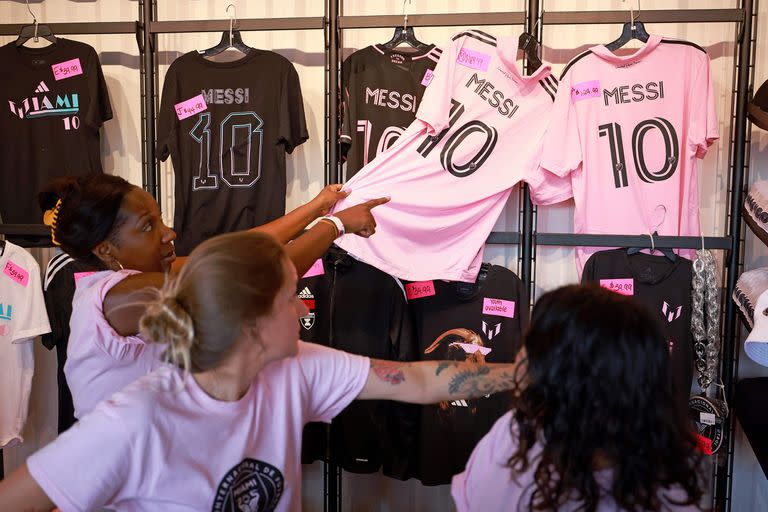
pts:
pixel 596 426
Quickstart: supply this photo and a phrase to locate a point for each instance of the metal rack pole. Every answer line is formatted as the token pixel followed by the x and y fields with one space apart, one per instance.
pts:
pixel 149 172
pixel 729 361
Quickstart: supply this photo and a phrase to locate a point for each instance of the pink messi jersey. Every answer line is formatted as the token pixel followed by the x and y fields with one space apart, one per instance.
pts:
pixel 477 132
pixel 628 130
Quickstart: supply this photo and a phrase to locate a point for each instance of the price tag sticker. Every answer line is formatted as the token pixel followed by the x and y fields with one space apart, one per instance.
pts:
pixel 707 418
pixel 427 77
pixel 473 59
pixel 621 286
pixel 316 269
pixel 419 290
pixel 499 307
pixel 190 107
pixel 16 273
pixel 67 69
pixel 585 90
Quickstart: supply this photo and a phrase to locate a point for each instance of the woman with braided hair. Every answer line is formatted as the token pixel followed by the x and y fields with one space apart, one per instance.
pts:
pixel 118 230
pixel 219 428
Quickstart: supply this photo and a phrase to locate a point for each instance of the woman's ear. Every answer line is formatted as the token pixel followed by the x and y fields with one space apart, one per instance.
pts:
pixel 106 252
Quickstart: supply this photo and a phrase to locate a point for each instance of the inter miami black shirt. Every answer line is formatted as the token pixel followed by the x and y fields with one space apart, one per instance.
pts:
pixel 359 309
pixel 55 100
pixel 61 276
pixel 664 286
pixel 481 322
pixel 227 127
pixel 381 92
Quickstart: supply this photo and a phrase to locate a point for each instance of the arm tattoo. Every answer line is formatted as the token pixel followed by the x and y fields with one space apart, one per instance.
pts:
pixel 477 382
pixel 443 365
pixel 388 371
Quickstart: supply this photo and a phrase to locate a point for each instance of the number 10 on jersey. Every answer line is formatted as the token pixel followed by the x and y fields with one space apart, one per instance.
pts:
pixel 239 156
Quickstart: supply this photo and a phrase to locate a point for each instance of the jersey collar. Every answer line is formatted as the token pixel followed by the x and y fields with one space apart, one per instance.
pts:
pixel 506 48
pixel 606 54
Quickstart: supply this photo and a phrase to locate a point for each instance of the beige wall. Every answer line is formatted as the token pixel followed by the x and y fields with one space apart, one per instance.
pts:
pixel 122 156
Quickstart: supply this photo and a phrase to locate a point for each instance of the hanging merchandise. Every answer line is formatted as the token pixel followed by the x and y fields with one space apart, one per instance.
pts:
pixel 56 100
pixel 382 87
pixel 482 322
pixel 477 133
pixel 757 110
pixel 227 127
pixel 755 210
pixel 628 130
pixel 359 309
pixel 22 317
pixel 756 344
pixel 749 287
pixel 61 276
pixel 664 286
pixel 708 413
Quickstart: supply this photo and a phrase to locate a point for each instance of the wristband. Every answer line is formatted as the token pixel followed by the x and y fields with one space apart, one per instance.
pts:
pixel 337 223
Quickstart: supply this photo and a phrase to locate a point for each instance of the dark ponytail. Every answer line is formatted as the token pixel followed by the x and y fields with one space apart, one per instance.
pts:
pixel 89 212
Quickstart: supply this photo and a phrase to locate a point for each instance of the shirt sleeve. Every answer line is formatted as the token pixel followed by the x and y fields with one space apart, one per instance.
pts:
pixel 293 125
pixel 99 107
pixel 333 379
pixel 32 319
pixel 166 116
pixel 562 142
pixel 435 107
pixel 703 127
pixel 86 467
pixel 548 188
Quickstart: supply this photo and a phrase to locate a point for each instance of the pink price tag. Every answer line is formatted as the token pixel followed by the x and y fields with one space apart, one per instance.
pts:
pixel 16 273
pixel 4 330
pixel 79 275
pixel 621 286
pixel 316 269
pixel 190 107
pixel 473 59
pixel 585 90
pixel 499 307
pixel 427 77
pixel 67 69
pixel 419 290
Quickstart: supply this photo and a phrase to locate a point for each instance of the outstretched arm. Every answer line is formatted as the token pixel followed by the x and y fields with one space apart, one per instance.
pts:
pixel 429 382
pixel 20 492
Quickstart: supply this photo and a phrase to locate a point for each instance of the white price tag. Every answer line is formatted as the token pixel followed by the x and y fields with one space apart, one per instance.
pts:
pixel 707 418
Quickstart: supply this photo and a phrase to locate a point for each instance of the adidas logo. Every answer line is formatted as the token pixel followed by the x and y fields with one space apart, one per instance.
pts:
pixel 6 314
pixel 306 294
pixel 41 87
pixel 460 403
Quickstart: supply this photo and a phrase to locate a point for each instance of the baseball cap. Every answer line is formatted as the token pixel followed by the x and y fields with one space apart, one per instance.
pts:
pixel 750 285
pixel 757 109
pixel 756 345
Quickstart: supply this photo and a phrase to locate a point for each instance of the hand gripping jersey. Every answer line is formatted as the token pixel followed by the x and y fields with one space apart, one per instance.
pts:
pixel 477 133
pixel 227 127
pixel 628 130
pixel 664 287
pixel 382 90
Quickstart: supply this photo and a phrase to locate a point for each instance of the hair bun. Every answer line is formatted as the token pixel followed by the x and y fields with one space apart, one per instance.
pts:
pixel 166 320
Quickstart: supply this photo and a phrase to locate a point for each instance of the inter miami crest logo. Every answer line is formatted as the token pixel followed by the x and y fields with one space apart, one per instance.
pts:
pixel 308 299
pixel 250 486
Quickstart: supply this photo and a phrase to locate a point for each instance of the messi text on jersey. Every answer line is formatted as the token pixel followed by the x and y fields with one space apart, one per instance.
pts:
pixel 226 96
pixel 640 92
pixel 497 99
pixel 391 99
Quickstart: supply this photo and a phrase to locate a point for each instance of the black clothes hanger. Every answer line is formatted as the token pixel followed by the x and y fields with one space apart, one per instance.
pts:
pixel 632 30
pixel 34 31
pixel 530 46
pixel 229 39
pixel 669 253
pixel 405 34
pixel 2 247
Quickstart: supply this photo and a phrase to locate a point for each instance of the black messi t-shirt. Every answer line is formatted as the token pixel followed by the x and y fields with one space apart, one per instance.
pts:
pixel 381 92
pixel 359 309
pixel 664 286
pixel 227 127
pixel 55 100
pixel 481 322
